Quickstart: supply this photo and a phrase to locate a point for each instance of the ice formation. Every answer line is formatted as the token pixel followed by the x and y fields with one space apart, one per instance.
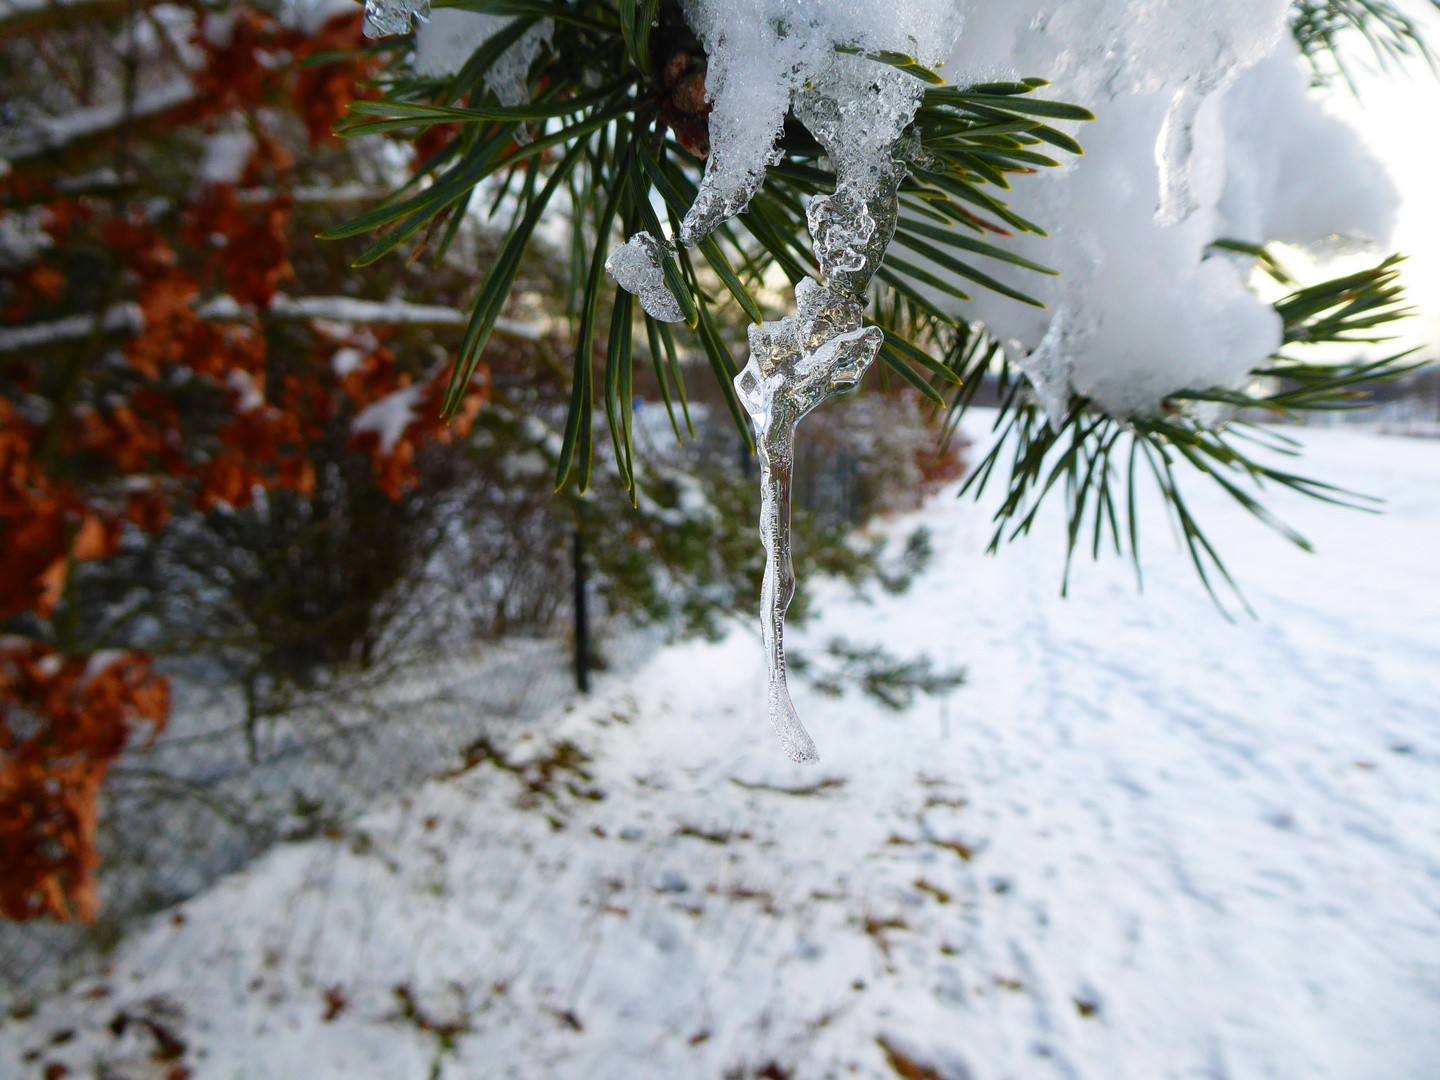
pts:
pixel 765 58
pixel 795 364
pixel 386 17
pixel 637 266
pixel 760 53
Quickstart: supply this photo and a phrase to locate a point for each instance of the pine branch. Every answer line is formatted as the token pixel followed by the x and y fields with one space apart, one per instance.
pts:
pixel 603 120
pixel 1097 460
pixel 1323 27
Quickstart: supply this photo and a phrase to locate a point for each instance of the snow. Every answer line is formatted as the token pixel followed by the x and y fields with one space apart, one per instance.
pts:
pixel 390 416
pixel 225 157
pixel 248 396
pixel 447 41
pixel 1205 130
pixel 310 15
pixel 42 134
pixel 11 8
pixel 128 318
pixel 1294 173
pixel 761 52
pixel 346 361
pixel 98 661
pixel 1142 842
pixel 348 310
pixel 124 317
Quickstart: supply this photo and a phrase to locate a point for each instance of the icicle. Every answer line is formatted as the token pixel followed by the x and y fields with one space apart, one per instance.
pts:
pixel 823 348
pixel 795 364
pixel 859 112
pixel 1048 369
pixel 386 17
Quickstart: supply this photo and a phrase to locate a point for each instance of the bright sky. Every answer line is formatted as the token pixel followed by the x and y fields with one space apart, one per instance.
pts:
pixel 1399 116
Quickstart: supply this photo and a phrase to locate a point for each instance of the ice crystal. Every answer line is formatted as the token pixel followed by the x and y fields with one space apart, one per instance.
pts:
pixel 386 17
pixel 638 267
pixel 1048 366
pixel 1174 155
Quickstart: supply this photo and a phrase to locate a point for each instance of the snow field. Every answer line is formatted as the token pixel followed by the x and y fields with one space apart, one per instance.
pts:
pixel 1142 842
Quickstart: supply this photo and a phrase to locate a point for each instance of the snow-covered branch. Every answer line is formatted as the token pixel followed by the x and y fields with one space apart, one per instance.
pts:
pixel 128 319
pixel 49 134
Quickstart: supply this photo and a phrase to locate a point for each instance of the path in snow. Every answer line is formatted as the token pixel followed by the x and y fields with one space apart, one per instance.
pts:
pixel 1142 843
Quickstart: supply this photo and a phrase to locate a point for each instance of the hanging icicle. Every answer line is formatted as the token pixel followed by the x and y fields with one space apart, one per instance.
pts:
pixel 859 112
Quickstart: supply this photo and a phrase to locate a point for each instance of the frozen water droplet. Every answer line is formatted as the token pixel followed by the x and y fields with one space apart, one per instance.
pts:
pixel 839 238
pixel 637 266
pixel 386 17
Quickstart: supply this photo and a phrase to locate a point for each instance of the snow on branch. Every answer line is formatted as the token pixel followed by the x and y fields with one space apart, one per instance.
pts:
pixel 121 318
pixel 40 136
pixel 20 17
pixel 128 319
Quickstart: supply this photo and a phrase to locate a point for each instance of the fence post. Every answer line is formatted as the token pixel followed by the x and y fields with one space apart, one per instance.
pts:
pixel 582 619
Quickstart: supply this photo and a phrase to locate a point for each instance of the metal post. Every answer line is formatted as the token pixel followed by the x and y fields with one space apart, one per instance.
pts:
pixel 582 619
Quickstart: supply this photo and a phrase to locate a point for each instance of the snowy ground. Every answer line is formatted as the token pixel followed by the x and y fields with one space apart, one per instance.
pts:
pixel 1141 843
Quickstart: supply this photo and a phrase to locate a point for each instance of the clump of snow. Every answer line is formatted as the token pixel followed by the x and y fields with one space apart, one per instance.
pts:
pixel 226 156
pixel 22 237
pixel 761 52
pixel 311 15
pixel 390 416
pixel 1138 312
pixel 636 267
pixel 447 41
pixel 346 361
pixel 1205 131
pixel 118 318
pixel 249 397
pixel 98 661
pixel 41 134
pixel 1294 173
pixel 1095 49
